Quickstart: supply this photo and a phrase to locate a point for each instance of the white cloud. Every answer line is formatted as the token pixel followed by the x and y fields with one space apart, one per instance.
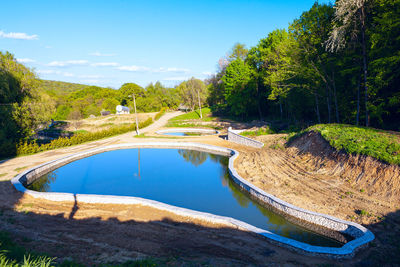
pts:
pixel 65 74
pixel 171 70
pixel 48 46
pixel 25 60
pixel 98 54
pixel 179 78
pixel 68 63
pixel 18 35
pixel 105 64
pixel 133 68
pixel 46 71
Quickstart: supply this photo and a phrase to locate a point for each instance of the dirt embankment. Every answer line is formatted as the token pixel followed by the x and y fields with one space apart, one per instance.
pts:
pixel 309 173
pixel 361 172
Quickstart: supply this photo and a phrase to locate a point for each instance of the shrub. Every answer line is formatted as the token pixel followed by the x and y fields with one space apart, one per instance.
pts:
pixel 159 114
pixel 25 147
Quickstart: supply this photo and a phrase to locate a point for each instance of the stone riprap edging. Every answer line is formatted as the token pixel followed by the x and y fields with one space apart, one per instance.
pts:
pixel 360 234
pixel 234 136
pixel 188 130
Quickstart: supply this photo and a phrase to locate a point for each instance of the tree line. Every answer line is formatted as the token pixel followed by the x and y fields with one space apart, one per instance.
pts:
pixel 27 103
pixel 335 63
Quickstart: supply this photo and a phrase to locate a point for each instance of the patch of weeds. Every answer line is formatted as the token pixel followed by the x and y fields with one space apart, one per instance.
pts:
pixel 20 168
pixel 363 213
pixel 362 190
pixel 142 135
pixel 16 255
pixel 348 193
pixel 261 131
pixel 276 146
pixel 3 174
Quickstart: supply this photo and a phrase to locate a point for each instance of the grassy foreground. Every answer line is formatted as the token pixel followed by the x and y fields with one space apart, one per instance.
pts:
pixel 379 144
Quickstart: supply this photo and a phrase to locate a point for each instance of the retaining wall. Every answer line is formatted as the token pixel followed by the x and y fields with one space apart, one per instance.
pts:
pixel 234 136
pixel 361 234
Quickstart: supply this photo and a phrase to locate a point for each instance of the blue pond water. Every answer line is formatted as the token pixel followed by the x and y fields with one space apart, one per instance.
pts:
pixel 185 178
pixel 185 133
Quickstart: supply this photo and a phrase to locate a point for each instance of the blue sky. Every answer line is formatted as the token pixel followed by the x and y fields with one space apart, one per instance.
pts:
pixel 108 43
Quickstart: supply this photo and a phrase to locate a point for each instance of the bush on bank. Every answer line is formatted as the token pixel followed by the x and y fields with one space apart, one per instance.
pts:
pixel 25 147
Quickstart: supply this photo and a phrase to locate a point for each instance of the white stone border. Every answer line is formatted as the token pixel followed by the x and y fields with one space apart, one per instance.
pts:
pixel 190 130
pixel 234 136
pixel 361 234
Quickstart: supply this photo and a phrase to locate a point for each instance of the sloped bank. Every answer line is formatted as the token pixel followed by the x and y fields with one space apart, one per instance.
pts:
pixel 360 234
pixel 363 172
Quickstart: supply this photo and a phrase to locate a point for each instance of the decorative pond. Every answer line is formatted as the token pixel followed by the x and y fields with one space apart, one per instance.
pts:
pixel 188 132
pixel 185 133
pixel 186 178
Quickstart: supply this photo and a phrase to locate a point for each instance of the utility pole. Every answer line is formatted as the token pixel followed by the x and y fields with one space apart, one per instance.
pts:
pixel 198 96
pixel 137 123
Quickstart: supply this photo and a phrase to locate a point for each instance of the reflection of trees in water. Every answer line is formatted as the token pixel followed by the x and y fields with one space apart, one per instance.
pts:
pixel 195 157
pixel 241 198
pixel 42 184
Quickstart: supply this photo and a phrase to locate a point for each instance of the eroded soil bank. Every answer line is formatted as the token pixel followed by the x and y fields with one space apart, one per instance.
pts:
pixel 93 233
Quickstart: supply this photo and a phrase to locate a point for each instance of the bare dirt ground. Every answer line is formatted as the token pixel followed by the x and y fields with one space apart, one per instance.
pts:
pixel 104 122
pixel 94 233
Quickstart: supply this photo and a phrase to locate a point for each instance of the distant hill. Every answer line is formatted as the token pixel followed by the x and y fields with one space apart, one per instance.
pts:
pixel 60 88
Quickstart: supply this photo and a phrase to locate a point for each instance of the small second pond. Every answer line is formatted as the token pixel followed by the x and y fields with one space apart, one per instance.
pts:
pixel 187 133
pixel 185 178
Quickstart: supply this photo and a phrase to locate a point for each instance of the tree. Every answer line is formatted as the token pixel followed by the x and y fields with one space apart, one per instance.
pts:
pixel 75 117
pixel 110 104
pixel 239 89
pixel 351 18
pixel 238 51
pixel 23 106
pixel 192 92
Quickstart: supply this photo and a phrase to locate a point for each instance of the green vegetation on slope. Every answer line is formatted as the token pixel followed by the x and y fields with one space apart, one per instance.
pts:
pixel 192 119
pixel 261 131
pixel 194 115
pixel 382 145
pixel 60 88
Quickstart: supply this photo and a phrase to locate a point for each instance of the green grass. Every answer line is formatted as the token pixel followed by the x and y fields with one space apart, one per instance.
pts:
pixel 3 174
pixel 190 125
pixel 192 119
pixel 379 144
pixel 194 115
pixel 82 131
pixel 20 168
pixel 13 255
pixel 261 131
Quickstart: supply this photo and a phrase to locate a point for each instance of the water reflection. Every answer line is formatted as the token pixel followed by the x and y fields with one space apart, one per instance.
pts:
pixel 195 157
pixel 186 178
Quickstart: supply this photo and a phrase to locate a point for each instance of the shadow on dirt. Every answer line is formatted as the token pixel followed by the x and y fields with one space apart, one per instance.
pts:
pixel 64 233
